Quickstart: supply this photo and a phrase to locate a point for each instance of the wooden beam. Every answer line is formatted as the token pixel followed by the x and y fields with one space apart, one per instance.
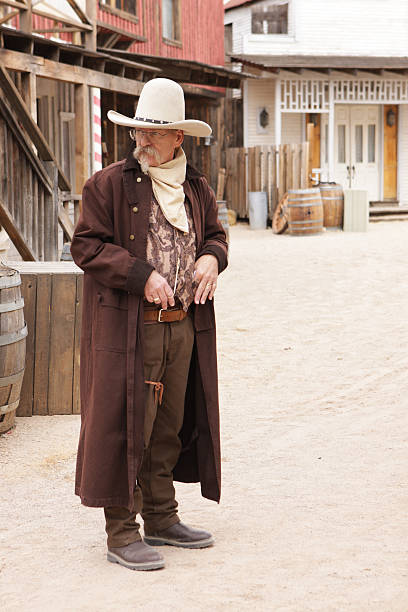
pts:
pixel 79 12
pixel 90 37
pixel 26 18
pixel 54 30
pixel 81 26
pixel 50 69
pixel 6 220
pixel 9 16
pixel 14 4
pixel 320 70
pixel 65 222
pixel 21 137
pixel 31 127
pixel 111 40
pixel 352 71
pixel 295 70
pixel 29 84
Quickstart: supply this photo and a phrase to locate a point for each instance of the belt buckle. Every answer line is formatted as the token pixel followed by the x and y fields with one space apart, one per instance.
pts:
pixel 159 319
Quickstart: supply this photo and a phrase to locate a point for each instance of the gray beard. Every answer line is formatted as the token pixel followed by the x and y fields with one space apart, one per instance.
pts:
pixel 140 153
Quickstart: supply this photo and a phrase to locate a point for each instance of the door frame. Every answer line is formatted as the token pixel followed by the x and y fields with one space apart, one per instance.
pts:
pixel 325 125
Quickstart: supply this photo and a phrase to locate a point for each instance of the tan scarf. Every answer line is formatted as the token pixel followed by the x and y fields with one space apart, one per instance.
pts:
pixel 167 180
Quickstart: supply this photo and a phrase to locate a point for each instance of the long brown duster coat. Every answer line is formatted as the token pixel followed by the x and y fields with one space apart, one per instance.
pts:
pixel 109 244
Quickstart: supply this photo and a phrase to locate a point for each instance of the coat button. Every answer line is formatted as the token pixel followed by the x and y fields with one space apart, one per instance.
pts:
pixel 135 209
pixel 132 236
pixel 138 180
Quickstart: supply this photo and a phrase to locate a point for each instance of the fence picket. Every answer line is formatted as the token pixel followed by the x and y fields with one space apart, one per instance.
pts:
pixel 264 168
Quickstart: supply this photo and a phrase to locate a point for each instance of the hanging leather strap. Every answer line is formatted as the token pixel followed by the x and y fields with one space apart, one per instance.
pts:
pixel 158 389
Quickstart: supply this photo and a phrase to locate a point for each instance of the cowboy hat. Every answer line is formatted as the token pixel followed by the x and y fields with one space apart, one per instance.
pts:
pixel 161 106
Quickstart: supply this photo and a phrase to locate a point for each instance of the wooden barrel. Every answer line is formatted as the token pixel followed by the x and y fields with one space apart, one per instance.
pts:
pixel 13 332
pixel 305 211
pixel 333 205
pixel 223 215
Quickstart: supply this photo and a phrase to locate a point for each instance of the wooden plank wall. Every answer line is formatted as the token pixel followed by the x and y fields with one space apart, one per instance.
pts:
pixel 265 168
pixel 52 310
pixel 26 193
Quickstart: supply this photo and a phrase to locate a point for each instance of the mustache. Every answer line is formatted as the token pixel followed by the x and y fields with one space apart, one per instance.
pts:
pixel 147 150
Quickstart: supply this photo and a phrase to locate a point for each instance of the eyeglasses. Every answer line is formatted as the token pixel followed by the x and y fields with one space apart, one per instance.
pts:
pixel 152 136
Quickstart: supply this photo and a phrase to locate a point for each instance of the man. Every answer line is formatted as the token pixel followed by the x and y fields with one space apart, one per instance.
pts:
pixel 151 246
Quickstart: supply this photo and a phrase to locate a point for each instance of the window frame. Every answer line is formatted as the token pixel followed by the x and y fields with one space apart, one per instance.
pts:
pixel 108 7
pixel 177 41
pixel 278 35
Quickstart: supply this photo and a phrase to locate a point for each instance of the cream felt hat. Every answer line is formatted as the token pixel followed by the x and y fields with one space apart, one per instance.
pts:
pixel 161 106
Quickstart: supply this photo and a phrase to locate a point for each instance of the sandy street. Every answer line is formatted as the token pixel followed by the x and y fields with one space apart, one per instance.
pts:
pixel 313 339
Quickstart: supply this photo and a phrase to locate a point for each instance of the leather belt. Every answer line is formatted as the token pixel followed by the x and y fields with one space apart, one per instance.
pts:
pixel 164 316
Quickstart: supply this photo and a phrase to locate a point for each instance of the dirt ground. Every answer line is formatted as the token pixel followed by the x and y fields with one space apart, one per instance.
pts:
pixel 313 340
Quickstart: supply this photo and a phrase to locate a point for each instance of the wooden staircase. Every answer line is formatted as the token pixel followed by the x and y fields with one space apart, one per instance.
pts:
pixel 388 211
pixel 32 185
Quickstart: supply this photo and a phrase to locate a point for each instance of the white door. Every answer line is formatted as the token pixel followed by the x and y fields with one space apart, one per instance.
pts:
pixel 356 147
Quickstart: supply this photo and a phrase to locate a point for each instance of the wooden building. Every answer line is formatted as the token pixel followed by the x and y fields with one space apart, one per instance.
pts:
pixel 333 74
pixel 62 66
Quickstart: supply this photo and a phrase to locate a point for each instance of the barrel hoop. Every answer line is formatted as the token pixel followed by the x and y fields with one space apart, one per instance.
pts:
pixel 9 407
pixel 303 220
pixel 14 337
pixel 304 191
pixel 331 198
pixel 7 282
pixel 304 227
pixel 317 200
pixel 10 306
pixel 303 205
pixel 6 381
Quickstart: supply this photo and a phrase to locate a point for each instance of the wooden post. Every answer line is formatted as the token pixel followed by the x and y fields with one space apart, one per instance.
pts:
pixel 330 144
pixel 29 84
pixel 26 18
pixel 90 37
pixel 278 129
pixel 82 136
pixel 51 216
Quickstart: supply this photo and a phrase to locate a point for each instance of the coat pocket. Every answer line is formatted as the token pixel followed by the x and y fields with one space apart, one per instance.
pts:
pixel 111 322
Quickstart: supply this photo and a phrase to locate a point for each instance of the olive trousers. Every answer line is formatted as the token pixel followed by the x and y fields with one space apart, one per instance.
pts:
pixel 167 355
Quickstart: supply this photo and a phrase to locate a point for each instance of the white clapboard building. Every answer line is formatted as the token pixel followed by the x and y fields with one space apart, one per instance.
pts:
pixel 335 73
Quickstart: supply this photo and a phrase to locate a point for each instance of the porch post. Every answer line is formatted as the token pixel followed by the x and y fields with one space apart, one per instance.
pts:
pixel 245 112
pixel 278 113
pixel 330 144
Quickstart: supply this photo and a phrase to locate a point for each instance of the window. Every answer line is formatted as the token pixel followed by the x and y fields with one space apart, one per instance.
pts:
pixel 371 143
pixel 341 144
pixel 171 19
pixel 270 17
pixel 125 6
pixel 359 144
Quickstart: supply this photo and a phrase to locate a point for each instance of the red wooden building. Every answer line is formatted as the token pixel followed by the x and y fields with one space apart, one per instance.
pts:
pixel 63 64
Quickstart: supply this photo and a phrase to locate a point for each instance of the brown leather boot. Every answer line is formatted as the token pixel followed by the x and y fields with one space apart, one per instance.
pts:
pixel 136 556
pixel 180 535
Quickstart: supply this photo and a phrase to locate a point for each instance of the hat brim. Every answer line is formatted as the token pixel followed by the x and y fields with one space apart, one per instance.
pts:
pixel 190 127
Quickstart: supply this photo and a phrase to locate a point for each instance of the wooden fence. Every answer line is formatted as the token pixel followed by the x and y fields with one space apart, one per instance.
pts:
pixel 265 168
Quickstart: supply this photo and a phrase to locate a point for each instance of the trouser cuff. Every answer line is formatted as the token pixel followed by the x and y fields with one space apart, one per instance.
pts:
pixel 152 526
pixel 119 542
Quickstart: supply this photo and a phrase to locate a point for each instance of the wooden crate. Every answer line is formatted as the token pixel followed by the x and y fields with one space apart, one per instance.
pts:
pixel 52 308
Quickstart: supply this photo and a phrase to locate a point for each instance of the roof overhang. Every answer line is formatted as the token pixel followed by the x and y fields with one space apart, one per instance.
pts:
pixel 187 71
pixel 324 64
pixel 67 53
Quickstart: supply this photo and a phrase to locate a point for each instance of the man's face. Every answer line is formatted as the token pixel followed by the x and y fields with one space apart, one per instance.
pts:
pixel 155 146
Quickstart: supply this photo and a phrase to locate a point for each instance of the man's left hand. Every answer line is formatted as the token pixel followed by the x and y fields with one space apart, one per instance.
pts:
pixel 206 274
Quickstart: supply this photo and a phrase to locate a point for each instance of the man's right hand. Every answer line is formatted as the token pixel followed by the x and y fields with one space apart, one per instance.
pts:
pixel 158 291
